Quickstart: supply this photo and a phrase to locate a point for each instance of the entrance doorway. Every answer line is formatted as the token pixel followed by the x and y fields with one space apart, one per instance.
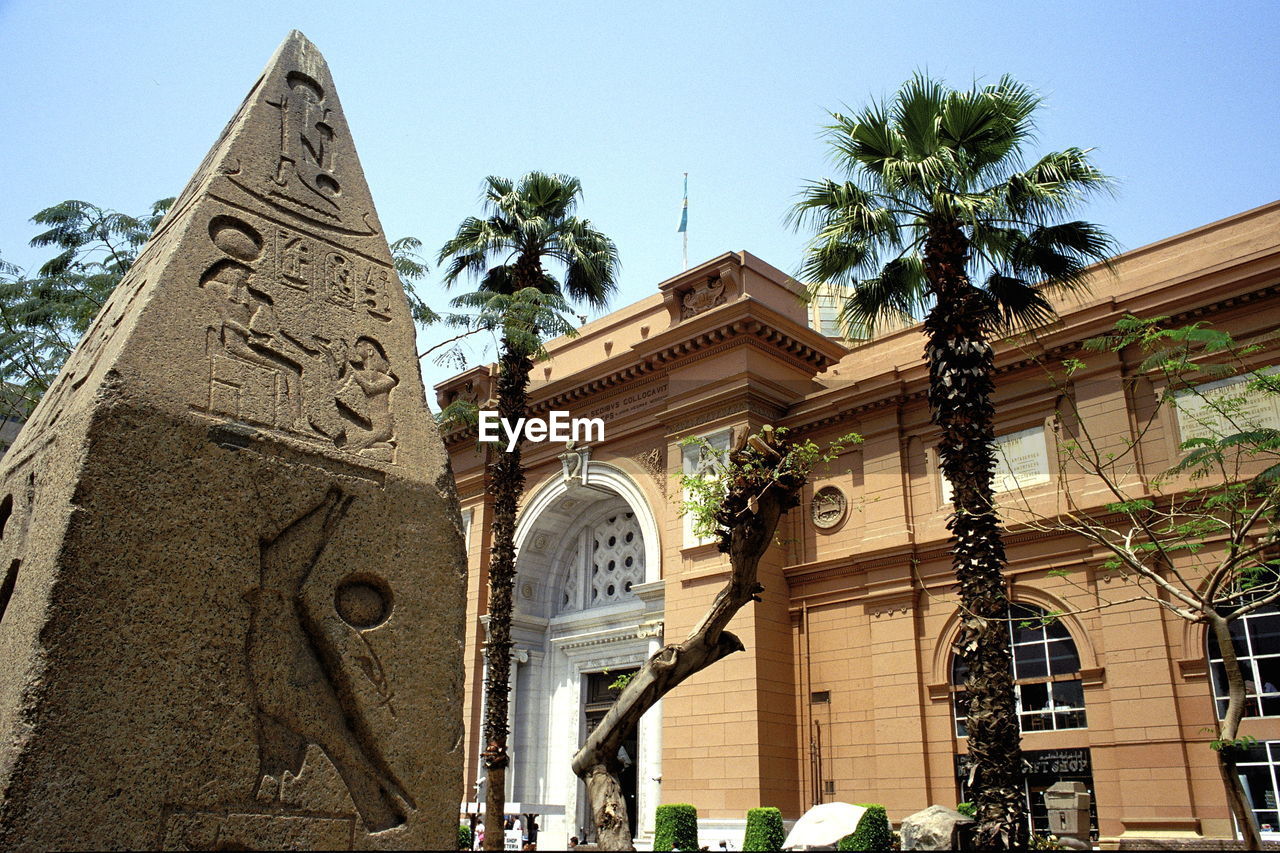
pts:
pixel 600 696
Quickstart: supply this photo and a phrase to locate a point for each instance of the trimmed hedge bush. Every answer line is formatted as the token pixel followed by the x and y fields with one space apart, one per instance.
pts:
pixel 464 837
pixel 872 832
pixel 764 830
pixel 675 827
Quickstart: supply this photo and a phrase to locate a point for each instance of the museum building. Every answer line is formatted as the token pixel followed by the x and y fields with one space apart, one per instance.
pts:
pixel 847 690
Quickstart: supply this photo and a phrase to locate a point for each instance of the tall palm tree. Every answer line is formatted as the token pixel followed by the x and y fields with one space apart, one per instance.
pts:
pixel 939 216
pixel 527 225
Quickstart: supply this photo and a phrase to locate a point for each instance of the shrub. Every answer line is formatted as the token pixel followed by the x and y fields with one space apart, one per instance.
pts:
pixel 764 830
pixel 675 827
pixel 872 832
pixel 967 809
pixel 464 837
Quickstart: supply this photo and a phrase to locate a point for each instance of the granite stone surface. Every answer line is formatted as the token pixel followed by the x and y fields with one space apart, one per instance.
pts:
pixel 232 601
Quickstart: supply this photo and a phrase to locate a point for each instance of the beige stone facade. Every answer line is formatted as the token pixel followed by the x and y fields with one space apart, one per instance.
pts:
pixel 844 692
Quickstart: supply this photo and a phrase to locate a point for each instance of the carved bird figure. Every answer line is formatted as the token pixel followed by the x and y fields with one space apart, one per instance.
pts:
pixel 299 681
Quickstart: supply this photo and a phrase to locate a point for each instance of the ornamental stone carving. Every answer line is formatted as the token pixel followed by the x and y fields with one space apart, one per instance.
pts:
pixel 828 508
pixel 703 296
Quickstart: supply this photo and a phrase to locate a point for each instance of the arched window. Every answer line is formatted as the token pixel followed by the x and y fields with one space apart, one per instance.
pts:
pixel 1046 672
pixel 607 562
pixel 1256 637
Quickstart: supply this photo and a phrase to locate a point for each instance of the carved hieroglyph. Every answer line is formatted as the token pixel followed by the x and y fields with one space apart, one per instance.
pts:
pixel 232 599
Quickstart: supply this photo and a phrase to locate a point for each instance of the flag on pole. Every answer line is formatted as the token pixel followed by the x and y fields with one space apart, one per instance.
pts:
pixel 684 211
pixel 683 230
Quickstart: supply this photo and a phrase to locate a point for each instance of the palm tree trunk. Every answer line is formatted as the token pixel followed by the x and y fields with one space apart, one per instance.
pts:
pixel 508 482
pixel 961 367
pixel 1228 731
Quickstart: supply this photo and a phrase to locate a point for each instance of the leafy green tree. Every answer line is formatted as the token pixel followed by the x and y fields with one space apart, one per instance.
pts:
pixel 938 216
pixel 42 317
pixel 528 225
pixel 740 505
pixel 1199 540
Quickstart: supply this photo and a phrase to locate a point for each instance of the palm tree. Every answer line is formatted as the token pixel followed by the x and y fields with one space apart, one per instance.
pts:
pixel 939 216
pixel 528 223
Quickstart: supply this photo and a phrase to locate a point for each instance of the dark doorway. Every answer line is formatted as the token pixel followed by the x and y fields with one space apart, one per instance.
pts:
pixel 600 695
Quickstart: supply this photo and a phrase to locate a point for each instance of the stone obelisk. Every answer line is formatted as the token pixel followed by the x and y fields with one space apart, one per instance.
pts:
pixel 231 613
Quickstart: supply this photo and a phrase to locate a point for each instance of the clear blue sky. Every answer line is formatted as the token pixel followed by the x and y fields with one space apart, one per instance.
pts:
pixel 117 103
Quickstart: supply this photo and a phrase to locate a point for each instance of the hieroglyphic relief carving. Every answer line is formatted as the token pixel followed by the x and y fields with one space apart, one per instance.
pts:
pixel 294 260
pixel 373 292
pixel 305 171
pixel 300 686
pixel 364 602
pixel 263 371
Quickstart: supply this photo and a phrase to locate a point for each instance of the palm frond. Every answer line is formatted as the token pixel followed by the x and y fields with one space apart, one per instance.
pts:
pixel 898 293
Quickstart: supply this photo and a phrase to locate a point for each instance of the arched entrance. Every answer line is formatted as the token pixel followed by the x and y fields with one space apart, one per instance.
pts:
pixel 588 607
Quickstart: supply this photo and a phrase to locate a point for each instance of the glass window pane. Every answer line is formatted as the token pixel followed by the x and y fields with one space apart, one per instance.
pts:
pixel 1024 623
pixel 1063 659
pixel 1025 632
pixel 961 701
pixel 1037 722
pixel 1267 821
pixel 1239 628
pixel 1070 720
pixel 1268 675
pixel 1257 785
pixel 1264 633
pixel 1033 697
pixel 1030 662
pixel 959 670
pixel 1219 674
pixel 1068 694
pixel 1057 631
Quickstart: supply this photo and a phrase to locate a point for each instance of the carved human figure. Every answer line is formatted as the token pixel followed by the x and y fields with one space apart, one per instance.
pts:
pixel 373 377
pixel 301 688
pixel 249 328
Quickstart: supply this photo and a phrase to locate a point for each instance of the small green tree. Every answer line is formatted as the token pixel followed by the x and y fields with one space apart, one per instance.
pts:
pixel 741 506
pixel 675 827
pixel 465 838
pixel 764 830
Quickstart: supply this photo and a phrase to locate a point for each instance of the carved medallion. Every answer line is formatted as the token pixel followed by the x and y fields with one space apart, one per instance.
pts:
pixel 828 508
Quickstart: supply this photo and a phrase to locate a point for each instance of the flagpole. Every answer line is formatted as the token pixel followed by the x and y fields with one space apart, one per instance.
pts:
pixel 684 221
